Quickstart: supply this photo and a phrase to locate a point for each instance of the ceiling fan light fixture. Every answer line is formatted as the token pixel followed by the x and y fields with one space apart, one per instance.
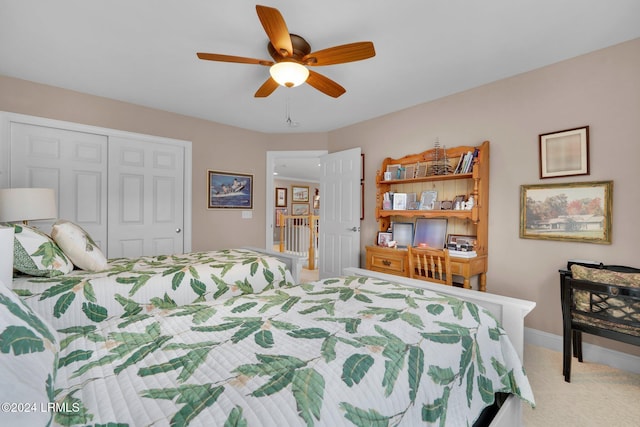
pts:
pixel 289 74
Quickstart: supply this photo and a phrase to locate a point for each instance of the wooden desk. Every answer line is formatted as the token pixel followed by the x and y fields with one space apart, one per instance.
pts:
pixel 395 261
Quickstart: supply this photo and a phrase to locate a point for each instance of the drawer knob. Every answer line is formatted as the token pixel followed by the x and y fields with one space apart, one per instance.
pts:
pixel 386 262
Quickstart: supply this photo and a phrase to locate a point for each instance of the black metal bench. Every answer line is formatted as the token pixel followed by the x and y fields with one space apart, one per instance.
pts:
pixel 589 307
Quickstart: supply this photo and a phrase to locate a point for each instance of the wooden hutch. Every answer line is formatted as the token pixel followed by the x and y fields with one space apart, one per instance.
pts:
pixel 425 172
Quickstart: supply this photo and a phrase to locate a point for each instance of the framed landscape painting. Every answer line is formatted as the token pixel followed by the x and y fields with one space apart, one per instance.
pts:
pixel 578 212
pixel 229 190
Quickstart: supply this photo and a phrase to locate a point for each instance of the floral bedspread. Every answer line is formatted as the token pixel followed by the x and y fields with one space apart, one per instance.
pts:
pixel 337 352
pixel 131 286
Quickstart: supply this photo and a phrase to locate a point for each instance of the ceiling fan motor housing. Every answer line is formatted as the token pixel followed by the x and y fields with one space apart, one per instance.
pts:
pixel 300 49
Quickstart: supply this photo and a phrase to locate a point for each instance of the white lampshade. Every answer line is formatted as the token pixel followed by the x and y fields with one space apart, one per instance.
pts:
pixel 27 204
pixel 289 74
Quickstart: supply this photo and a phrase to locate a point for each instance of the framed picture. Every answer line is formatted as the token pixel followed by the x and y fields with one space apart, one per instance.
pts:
pixel 409 171
pixel 281 197
pixel 229 190
pixel 461 242
pixel 393 171
pixel 361 200
pixel 300 208
pixel 299 194
pixel 362 167
pixel 402 233
pixel 576 212
pixel 279 214
pixel 384 237
pixel 427 199
pixel 421 170
pixel 564 153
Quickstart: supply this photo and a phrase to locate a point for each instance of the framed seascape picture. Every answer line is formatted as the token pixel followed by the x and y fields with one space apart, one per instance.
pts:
pixel 577 212
pixel 229 190
pixel 299 194
pixel 281 197
pixel 564 153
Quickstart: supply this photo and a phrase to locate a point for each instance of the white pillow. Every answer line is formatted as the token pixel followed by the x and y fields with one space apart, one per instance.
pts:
pixel 28 354
pixel 35 254
pixel 78 246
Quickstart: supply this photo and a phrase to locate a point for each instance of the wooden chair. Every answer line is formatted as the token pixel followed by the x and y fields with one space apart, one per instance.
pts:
pixel 432 265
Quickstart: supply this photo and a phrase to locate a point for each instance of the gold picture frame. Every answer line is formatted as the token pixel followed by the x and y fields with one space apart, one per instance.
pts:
pixel 574 212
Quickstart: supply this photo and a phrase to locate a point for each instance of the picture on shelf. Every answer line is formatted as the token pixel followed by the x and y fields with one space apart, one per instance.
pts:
pixel 384 237
pixel 431 232
pixel 400 201
pixel 427 199
pixel 461 242
pixel 402 233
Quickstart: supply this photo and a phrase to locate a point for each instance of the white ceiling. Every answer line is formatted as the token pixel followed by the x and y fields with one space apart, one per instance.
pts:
pixel 144 51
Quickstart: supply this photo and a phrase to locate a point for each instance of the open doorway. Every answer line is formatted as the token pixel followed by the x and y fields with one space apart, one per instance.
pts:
pixel 297 168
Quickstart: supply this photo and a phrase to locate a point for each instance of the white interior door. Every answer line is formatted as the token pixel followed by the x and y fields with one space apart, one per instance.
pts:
pixel 71 162
pixel 339 235
pixel 146 198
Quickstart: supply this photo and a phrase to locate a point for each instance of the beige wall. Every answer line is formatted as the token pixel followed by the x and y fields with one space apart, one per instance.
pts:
pixel 601 90
pixel 215 146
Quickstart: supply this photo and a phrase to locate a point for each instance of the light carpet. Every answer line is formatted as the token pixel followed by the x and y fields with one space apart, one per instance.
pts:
pixel 597 395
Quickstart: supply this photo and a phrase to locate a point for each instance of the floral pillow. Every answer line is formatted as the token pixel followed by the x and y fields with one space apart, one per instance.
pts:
pixel 78 246
pixel 28 355
pixel 35 254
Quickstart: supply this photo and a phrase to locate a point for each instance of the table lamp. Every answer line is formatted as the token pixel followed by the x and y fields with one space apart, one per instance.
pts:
pixel 27 204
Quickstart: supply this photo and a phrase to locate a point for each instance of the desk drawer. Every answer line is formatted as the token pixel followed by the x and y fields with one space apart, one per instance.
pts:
pixel 390 264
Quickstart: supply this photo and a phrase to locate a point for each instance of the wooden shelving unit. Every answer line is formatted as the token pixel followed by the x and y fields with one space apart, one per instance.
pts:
pixel 464 222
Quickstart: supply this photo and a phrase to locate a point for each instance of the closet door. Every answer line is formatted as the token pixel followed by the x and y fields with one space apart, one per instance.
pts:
pixel 71 162
pixel 146 198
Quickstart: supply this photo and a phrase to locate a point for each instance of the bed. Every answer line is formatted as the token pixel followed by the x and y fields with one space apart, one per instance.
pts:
pixel 127 286
pixel 362 349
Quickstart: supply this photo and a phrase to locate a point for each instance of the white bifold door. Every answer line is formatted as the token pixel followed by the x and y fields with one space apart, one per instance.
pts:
pixel 126 190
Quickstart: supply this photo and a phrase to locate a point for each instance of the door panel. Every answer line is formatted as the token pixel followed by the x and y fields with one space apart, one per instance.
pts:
pixel 146 185
pixel 339 237
pixel 73 164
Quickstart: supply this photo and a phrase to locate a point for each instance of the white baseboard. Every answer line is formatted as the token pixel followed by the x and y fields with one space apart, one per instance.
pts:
pixel 590 352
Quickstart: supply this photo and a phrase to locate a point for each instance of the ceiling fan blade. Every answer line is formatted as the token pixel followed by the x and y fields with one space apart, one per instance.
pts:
pixel 341 54
pixel 230 58
pixel 267 88
pixel 325 84
pixel 276 29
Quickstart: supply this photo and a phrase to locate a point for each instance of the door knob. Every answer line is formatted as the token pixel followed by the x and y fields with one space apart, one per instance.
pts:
pixel 354 229
pixel 178 230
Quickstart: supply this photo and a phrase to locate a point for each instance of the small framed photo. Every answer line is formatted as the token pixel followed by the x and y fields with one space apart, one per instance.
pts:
pixel 410 172
pixel 299 194
pixel 281 197
pixel 384 237
pixel 574 212
pixel 427 200
pixel 279 214
pixel 564 153
pixel 393 171
pixel 421 170
pixel 300 208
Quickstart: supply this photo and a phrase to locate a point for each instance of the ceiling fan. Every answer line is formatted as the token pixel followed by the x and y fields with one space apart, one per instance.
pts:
pixel 292 55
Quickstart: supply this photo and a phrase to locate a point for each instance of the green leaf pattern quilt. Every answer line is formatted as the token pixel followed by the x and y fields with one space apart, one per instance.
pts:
pixel 349 351
pixel 135 286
